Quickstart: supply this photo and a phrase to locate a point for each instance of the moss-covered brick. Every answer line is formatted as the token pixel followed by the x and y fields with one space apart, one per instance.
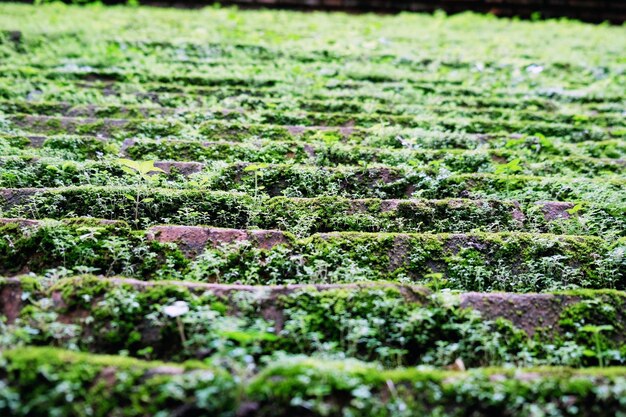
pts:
pixel 475 261
pixel 339 388
pixel 460 161
pixel 151 205
pixel 383 322
pixel 39 381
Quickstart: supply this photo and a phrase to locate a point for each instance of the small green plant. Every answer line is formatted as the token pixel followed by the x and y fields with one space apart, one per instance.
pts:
pixel 143 169
pixel 256 168
pixel 436 280
pixel 511 167
pixel 575 209
pixel 595 332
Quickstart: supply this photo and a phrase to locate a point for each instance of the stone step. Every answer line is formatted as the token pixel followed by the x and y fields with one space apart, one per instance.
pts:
pixel 110 126
pixel 43 378
pixel 289 113
pixel 409 319
pixel 519 262
pixel 139 205
pixel 169 95
pixel 457 161
pixel 294 180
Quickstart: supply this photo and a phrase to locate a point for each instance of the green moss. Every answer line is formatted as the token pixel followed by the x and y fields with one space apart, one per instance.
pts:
pixel 331 155
pixel 302 216
pixel 333 108
pixel 90 128
pixel 391 325
pixel 80 148
pixel 340 388
pixel 475 261
pixel 107 248
pixel 379 323
pixel 44 378
pixel 81 292
pixel 601 313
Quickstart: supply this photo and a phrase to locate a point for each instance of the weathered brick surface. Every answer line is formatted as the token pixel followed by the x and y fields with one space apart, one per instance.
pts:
pixel 193 239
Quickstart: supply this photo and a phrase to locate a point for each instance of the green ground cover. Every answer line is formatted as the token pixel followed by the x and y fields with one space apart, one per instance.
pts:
pixel 310 214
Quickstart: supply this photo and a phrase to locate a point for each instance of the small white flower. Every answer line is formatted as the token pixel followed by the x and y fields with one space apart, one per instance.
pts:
pixel 177 309
pixel 534 69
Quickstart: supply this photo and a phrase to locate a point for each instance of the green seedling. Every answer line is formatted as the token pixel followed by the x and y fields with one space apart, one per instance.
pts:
pixel 595 332
pixel 575 209
pixel 256 168
pixel 143 169
pixel 511 167
pixel 436 280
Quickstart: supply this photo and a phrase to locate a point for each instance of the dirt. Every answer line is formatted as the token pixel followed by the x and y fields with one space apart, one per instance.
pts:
pixel 391 205
pixel 518 214
pixel 191 239
pixel 108 375
pixel 357 206
pixel 457 242
pixel 37 141
pixel 398 254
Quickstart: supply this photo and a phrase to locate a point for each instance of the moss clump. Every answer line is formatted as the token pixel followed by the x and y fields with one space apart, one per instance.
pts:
pixel 353 388
pixel 106 248
pixel 597 323
pixel 39 381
